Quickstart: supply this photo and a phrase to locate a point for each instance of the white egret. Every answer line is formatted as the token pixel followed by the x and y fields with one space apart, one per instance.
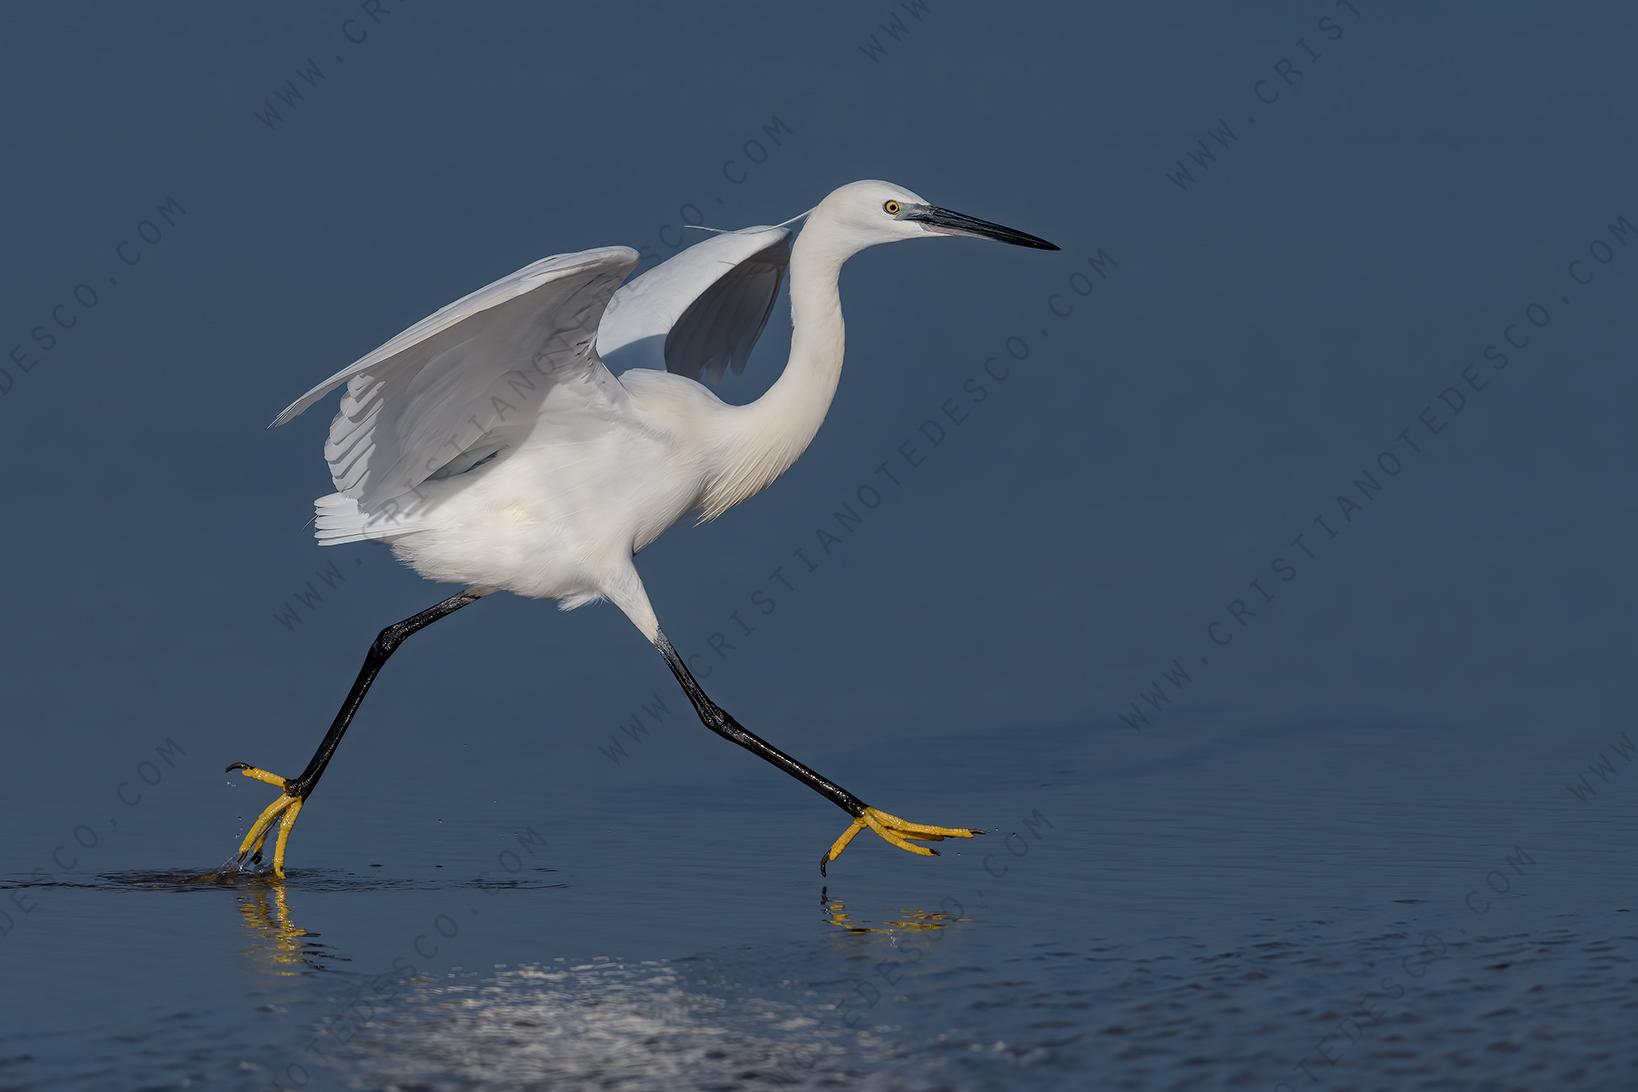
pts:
pixel 490 446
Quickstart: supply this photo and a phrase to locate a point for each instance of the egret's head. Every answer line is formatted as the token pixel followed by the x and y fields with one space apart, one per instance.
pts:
pixel 872 212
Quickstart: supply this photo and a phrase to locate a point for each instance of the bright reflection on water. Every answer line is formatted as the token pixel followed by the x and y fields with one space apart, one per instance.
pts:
pixel 274 937
pixel 678 936
pixel 836 914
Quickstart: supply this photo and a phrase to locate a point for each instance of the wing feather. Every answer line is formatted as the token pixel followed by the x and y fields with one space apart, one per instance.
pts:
pixel 700 313
pixel 438 394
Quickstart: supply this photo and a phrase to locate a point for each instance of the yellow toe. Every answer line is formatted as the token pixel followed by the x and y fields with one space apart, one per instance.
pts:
pixel 925 830
pixel 284 836
pixel 258 830
pixel 840 844
pixel 893 838
pixel 282 811
pixel 259 775
pixel 896 832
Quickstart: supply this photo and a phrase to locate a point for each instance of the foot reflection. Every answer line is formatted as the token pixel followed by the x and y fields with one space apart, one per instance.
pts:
pixel 277 940
pixel 836 913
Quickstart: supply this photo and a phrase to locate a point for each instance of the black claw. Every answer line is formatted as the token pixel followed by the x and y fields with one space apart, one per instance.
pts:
pixel 823 858
pixel 976 830
pixel 237 766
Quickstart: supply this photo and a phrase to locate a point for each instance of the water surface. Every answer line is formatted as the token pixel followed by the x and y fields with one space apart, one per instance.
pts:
pixel 1157 913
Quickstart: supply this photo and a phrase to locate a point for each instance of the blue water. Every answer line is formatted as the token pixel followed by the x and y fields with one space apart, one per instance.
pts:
pixel 1258 569
pixel 1185 910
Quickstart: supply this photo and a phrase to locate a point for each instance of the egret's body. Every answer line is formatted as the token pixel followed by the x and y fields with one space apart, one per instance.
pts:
pixel 559 519
pixel 562 517
pixel 492 447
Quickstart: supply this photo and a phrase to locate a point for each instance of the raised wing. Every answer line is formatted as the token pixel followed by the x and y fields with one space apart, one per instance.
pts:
pixel 699 313
pixel 433 399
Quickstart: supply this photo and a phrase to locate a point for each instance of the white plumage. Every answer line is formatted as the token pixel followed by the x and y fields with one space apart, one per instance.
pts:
pixel 490 446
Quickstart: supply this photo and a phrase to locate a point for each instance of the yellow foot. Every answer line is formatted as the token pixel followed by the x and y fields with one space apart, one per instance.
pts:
pixel 282 811
pixel 896 832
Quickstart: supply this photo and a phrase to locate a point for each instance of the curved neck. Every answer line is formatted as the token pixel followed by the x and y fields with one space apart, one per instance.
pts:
pixel 772 432
pixel 800 398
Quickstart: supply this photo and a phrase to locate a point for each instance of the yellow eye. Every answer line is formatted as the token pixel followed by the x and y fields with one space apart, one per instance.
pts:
pixel 891 208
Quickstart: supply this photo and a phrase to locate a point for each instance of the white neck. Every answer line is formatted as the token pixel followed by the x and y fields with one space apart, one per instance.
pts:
pixel 769 435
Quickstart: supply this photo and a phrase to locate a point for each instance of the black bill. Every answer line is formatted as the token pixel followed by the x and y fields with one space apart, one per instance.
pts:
pixel 946 222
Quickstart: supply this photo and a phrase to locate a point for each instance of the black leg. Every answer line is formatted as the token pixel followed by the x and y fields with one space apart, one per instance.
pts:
pixel 386 643
pixel 714 717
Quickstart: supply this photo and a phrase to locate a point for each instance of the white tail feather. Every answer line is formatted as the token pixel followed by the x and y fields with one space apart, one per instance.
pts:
pixel 337 521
